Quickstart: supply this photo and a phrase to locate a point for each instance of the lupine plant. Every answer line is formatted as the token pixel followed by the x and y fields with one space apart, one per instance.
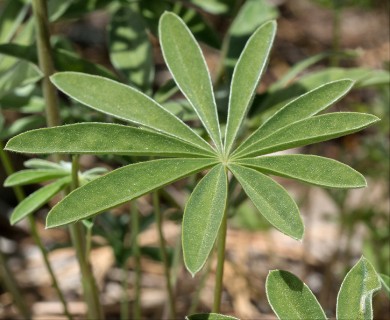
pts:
pixel 159 133
pixel 354 300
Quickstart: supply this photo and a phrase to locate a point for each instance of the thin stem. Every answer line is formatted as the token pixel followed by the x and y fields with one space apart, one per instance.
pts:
pixel 77 232
pixel 221 259
pixel 137 256
pixel 164 256
pixel 9 169
pixel 46 62
pixel 53 119
pixel 335 58
pixel 10 284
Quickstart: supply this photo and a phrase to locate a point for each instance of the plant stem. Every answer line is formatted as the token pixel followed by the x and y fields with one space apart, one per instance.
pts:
pixel 46 62
pixel 9 169
pixel 53 119
pixel 221 259
pixel 164 256
pixel 335 58
pixel 77 232
pixel 137 257
pixel 10 284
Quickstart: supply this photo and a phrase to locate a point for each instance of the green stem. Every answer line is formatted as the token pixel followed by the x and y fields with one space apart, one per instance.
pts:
pixel 10 284
pixel 9 169
pixel 77 233
pixel 137 256
pixel 335 58
pixel 221 259
pixel 220 262
pixel 53 119
pixel 164 256
pixel 46 62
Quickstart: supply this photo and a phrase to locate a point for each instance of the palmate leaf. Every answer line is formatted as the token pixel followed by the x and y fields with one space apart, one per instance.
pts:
pixel 202 218
pixel 308 131
pixel 37 199
pixel 101 138
pixel 124 102
pixel 120 186
pixel 163 134
pixel 246 77
pixel 290 298
pixel 315 170
pixel 354 300
pixel 301 108
pixel 270 198
pixel 188 67
pixel 29 176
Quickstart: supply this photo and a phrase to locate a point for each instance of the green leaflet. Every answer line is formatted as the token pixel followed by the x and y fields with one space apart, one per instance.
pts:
pixel 210 316
pixel 124 102
pixel 11 16
pixel 29 176
pixel 315 170
pixel 120 186
pixel 309 131
pixel 20 74
pixel 130 48
pixel 354 300
pixel 186 63
pixel 252 14
pixel 63 60
pixel 270 198
pixel 300 108
pixel 37 199
pixel 102 138
pixel 37 163
pixel 202 218
pixel 290 298
pixel 246 77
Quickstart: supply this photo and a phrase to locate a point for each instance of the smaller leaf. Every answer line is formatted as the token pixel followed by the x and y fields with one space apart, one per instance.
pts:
pixel 19 75
pixel 308 131
pixel 30 176
pixel 130 48
pixel 21 125
pixel 11 16
pixel 37 199
pixel 186 63
pixel 270 198
pixel 246 77
pixel 385 280
pixel 102 138
pixel 125 103
pixel 303 107
pixel 202 218
pixel 37 163
pixel 252 14
pixel 210 316
pixel 120 186
pixel 354 300
pixel 315 170
pixel 290 298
